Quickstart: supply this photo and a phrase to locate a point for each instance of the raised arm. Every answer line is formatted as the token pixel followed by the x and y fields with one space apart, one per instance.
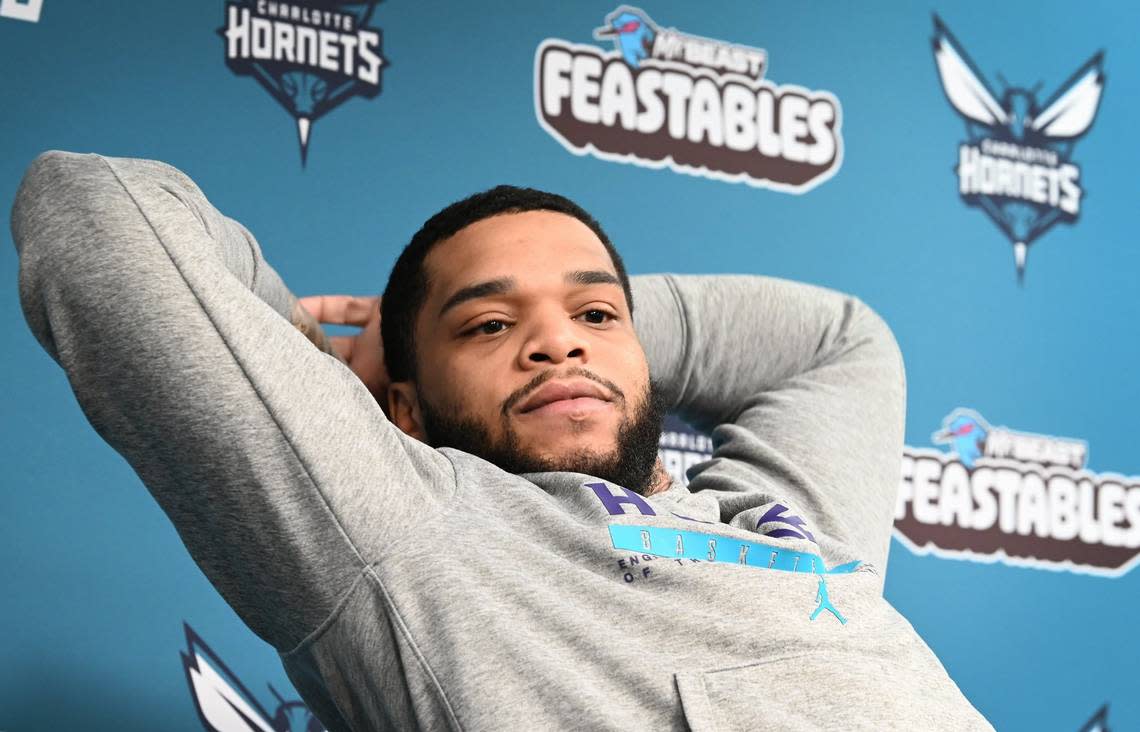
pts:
pixel 272 460
pixel 802 389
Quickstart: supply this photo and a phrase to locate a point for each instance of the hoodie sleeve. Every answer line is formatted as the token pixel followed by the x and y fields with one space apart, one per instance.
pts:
pixel 802 390
pixel 274 463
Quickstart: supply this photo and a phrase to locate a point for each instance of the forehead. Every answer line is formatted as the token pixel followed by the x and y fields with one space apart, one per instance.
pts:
pixel 532 247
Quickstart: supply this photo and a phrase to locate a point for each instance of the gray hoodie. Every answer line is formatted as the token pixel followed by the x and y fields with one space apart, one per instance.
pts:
pixel 405 586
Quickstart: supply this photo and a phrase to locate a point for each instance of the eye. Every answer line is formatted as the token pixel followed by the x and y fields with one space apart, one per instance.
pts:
pixel 490 327
pixel 596 317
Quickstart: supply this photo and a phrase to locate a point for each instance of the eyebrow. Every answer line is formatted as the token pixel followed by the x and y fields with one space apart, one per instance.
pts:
pixel 503 285
pixel 499 286
pixel 592 277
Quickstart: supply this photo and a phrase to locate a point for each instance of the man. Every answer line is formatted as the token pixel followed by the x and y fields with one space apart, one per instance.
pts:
pixel 502 553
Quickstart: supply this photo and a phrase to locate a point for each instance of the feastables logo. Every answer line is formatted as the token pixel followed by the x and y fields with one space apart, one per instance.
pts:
pixel 1020 498
pixel 662 98
pixel 994 495
pixel 1016 163
pixel 311 56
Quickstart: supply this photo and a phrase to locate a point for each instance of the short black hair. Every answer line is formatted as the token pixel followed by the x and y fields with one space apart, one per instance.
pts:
pixel 408 283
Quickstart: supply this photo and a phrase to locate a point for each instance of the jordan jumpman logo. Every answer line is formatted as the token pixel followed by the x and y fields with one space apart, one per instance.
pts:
pixel 825 603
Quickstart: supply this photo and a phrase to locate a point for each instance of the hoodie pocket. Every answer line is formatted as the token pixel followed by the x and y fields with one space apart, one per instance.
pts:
pixel 833 691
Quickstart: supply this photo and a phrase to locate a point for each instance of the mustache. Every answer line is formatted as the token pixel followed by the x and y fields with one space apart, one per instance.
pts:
pixel 523 392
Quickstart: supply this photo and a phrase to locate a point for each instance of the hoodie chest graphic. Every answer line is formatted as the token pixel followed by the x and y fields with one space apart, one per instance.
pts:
pixel 707 544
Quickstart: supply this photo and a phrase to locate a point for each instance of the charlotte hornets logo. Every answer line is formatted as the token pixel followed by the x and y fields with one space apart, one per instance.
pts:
pixel 1097 722
pixel 1016 163
pixel 311 56
pixel 680 447
pixel 665 99
pixel 226 705
pixel 1025 499
pixel 28 10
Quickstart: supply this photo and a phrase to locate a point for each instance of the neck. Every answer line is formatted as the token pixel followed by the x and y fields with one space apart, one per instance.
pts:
pixel 660 481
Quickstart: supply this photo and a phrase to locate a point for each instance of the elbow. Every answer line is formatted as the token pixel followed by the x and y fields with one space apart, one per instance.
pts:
pixel 878 342
pixel 57 185
pixel 35 187
pixel 50 216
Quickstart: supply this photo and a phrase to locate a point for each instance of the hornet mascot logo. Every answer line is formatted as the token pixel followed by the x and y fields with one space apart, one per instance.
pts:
pixel 1098 722
pixel 225 705
pixel 1016 162
pixel 311 57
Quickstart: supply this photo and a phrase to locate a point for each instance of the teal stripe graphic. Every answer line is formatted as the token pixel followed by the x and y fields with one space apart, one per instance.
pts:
pixel 679 544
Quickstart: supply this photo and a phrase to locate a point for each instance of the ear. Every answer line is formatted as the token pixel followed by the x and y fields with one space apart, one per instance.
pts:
pixel 404 409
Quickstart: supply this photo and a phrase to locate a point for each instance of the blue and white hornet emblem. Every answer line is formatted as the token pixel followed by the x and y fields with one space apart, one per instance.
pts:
pixel 226 705
pixel 1016 163
pixel 310 55
pixel 1097 722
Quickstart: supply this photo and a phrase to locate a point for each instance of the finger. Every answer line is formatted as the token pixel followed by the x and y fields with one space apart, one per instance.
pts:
pixel 319 306
pixel 341 309
pixel 343 345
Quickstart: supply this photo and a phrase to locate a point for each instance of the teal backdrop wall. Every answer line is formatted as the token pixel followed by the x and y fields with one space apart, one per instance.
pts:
pixel 1024 588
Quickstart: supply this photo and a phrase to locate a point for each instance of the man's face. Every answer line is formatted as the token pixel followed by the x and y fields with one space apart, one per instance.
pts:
pixel 526 353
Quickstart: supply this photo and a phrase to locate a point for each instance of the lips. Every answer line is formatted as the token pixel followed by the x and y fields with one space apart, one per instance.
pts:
pixel 552 392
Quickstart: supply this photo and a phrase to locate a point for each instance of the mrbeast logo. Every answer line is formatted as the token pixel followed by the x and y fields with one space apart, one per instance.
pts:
pixel 662 98
pixel 310 56
pixel 1016 163
pixel 1016 497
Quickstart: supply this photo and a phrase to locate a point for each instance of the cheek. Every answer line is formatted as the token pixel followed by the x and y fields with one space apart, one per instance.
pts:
pixel 632 371
pixel 471 389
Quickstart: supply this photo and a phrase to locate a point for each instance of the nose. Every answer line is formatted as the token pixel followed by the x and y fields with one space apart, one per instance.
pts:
pixel 553 339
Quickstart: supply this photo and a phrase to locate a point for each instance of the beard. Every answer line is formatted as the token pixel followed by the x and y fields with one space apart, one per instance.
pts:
pixel 630 464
